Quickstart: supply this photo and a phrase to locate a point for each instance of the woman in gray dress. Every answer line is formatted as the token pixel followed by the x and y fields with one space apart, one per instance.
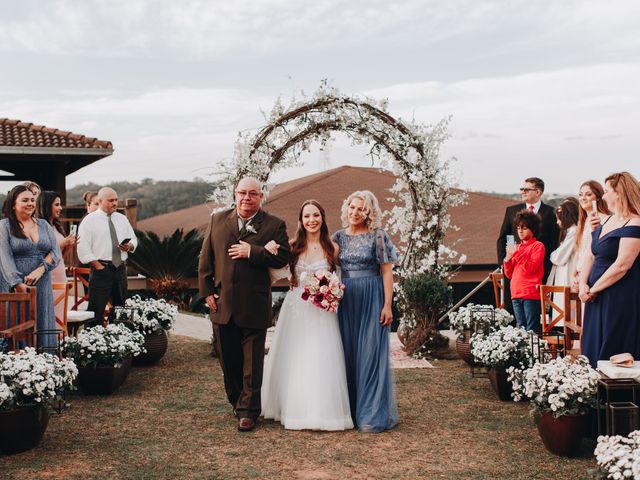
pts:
pixel 28 253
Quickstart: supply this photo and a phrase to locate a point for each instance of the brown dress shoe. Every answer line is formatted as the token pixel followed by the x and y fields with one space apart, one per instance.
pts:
pixel 246 424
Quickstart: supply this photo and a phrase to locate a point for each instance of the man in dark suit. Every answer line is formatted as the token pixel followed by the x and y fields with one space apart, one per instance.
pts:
pixel 531 192
pixel 234 279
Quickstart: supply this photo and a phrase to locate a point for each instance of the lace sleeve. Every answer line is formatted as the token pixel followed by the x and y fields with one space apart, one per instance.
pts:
pixel 385 251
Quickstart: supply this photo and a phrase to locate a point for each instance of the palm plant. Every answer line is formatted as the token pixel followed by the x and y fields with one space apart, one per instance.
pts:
pixel 168 262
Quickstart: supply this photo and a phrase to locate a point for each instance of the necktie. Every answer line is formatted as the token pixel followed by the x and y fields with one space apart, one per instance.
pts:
pixel 243 230
pixel 532 208
pixel 116 258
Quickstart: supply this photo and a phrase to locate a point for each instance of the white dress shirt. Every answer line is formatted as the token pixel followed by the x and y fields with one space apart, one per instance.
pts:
pixel 536 206
pixel 95 238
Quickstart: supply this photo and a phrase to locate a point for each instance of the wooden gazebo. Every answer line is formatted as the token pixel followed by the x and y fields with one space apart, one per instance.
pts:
pixel 45 155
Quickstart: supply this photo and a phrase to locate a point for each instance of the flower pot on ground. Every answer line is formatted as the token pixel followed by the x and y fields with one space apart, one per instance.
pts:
pixel 563 435
pixel 500 384
pixel 463 346
pixel 562 393
pixel 155 345
pixel 29 381
pixel 153 319
pixel 22 428
pixel 499 350
pixel 103 355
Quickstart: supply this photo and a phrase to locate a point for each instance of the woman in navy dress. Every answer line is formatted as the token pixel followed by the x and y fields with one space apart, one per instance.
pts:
pixel 28 252
pixel 610 279
pixel 366 258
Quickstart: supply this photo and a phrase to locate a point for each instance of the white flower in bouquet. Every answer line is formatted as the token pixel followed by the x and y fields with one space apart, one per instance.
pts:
pixel 561 386
pixel 148 316
pixel 100 346
pixel 502 348
pixel 479 317
pixel 28 378
pixel 618 456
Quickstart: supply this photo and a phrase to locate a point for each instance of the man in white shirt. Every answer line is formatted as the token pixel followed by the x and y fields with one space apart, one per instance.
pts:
pixel 106 237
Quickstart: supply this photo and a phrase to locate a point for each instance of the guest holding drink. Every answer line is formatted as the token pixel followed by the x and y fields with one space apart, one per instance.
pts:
pixel 591 213
pixel 367 257
pixel 524 266
pixel 610 276
pixel 563 258
pixel 49 208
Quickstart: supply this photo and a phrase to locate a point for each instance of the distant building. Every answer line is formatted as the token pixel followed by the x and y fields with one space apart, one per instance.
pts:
pixel 478 221
pixel 46 155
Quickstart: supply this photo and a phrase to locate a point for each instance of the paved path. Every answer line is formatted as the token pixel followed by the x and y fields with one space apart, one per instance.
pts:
pixel 200 328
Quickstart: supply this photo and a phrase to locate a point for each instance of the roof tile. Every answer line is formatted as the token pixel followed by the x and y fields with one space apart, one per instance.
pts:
pixel 15 133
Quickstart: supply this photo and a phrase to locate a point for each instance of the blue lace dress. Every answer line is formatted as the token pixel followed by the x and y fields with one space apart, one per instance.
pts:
pixel 365 341
pixel 18 258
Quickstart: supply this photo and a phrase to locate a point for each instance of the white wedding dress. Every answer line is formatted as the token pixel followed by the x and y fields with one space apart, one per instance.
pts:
pixel 305 383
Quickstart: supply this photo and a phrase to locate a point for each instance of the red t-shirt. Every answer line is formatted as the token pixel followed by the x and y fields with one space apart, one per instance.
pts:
pixel 525 268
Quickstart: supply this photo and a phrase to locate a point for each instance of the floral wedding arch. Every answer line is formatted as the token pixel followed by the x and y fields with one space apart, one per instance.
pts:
pixel 422 194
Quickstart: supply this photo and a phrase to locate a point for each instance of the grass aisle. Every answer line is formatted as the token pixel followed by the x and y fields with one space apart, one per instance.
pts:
pixel 172 421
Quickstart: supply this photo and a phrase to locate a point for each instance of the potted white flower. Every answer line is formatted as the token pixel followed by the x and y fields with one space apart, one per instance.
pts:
pixel 29 381
pixel 500 349
pixel 103 356
pixel 472 318
pixel 561 393
pixel 152 318
pixel 618 456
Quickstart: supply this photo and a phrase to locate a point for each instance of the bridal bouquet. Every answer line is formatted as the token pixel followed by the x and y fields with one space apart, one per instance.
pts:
pixel 323 289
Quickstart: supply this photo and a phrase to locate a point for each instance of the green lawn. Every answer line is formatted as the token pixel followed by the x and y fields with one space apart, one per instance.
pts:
pixel 172 421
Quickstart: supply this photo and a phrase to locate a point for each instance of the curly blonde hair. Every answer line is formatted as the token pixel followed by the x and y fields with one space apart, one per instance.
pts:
pixel 373 213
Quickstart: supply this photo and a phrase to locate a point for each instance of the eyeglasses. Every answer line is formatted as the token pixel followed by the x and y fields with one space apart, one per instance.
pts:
pixel 250 193
pixel 527 190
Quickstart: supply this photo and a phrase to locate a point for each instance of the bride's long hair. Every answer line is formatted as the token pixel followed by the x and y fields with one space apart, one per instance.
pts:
pixel 299 242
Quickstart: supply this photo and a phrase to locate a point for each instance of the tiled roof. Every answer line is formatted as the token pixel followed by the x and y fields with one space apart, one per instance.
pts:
pixel 14 133
pixel 478 221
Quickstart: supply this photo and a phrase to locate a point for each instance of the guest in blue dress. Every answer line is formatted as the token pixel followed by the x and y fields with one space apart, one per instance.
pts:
pixel 28 253
pixel 610 279
pixel 366 258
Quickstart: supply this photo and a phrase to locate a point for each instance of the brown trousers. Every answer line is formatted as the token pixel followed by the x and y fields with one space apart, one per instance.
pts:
pixel 241 355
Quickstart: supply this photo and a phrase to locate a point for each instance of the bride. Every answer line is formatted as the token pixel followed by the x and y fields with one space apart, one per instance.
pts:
pixel 305 384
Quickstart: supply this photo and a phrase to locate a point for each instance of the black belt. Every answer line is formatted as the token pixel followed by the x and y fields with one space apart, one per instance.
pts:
pixel 109 263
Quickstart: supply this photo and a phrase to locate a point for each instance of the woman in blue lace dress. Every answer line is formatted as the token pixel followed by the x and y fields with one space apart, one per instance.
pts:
pixel 28 253
pixel 610 280
pixel 366 258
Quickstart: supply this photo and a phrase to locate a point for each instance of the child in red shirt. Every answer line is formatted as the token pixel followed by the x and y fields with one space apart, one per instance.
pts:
pixel 524 265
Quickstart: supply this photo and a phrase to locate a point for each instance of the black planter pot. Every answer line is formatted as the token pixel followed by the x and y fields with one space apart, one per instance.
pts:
pixel 156 345
pixel 22 429
pixel 103 380
pixel 500 384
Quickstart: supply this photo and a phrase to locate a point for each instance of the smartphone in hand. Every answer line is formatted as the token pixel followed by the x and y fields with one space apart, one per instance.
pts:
pixel 511 240
pixel 73 230
pixel 125 241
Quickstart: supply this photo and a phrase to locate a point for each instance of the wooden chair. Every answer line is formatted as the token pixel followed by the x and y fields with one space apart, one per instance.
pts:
pixel 80 279
pixel 570 313
pixel 18 317
pixel 61 295
pixel 497 279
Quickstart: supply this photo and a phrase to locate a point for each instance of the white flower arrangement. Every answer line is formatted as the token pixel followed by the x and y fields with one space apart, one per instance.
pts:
pixel 479 317
pixel 30 378
pixel 562 386
pixel 619 457
pixel 100 346
pixel 503 348
pixel 148 316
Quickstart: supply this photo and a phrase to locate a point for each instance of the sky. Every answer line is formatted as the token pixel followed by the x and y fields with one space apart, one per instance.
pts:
pixel 544 88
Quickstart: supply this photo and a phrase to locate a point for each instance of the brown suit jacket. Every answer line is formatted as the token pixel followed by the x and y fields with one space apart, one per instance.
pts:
pixel 244 285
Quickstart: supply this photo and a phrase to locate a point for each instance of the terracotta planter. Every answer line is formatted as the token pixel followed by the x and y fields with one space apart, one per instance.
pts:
pixel 463 347
pixel 500 384
pixel 103 380
pixel 156 345
pixel 22 429
pixel 563 435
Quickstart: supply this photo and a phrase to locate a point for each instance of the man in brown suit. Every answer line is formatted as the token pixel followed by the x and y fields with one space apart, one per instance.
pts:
pixel 234 280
